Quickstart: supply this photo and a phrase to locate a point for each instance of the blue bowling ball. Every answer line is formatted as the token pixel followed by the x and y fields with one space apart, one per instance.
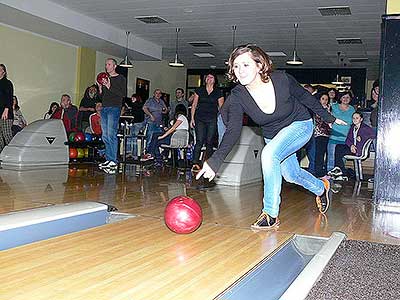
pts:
pixel 88 137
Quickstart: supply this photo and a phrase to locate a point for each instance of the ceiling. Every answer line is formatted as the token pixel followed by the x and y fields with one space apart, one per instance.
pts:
pixel 268 23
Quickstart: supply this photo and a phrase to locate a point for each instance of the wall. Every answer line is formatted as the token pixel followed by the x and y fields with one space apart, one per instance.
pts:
pixel 86 65
pixel 393 7
pixel 41 69
pixel 158 73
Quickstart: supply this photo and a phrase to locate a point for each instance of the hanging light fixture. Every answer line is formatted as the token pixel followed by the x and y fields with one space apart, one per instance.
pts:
pixel 233 40
pixel 126 63
pixel 337 81
pixel 176 62
pixel 296 60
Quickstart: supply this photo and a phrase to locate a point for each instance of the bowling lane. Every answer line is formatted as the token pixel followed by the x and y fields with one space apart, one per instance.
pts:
pixel 135 259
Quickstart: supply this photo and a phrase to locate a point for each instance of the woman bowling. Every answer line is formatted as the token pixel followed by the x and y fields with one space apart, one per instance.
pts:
pixel 278 103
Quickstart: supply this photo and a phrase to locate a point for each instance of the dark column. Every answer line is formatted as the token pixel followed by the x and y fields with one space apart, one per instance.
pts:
pixel 387 163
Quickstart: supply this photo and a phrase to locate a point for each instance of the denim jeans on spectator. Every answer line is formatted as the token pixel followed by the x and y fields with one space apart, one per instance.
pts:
pixel 153 131
pixel 221 128
pixel 278 158
pixel 330 155
pixel 321 143
pixel 310 149
pixel 164 141
pixel 131 145
pixel 205 132
pixel 109 127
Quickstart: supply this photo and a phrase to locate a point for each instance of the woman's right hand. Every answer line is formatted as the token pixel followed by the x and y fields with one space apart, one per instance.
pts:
pixel 192 123
pixel 340 122
pixel 206 172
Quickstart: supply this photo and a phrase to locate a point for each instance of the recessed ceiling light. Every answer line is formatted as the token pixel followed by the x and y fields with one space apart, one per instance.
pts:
pixel 188 10
pixel 358 59
pixel 200 44
pixel 346 41
pixel 151 19
pixel 277 54
pixel 335 11
pixel 204 55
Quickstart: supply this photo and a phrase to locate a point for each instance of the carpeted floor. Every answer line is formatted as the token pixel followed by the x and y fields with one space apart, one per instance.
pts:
pixel 360 270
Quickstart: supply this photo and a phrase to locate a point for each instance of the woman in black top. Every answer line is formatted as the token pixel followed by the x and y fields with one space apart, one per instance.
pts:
pixel 133 106
pixel 87 106
pixel 206 102
pixel 276 102
pixel 6 110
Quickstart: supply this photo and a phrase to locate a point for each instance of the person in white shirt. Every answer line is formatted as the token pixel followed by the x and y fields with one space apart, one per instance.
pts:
pixel 181 124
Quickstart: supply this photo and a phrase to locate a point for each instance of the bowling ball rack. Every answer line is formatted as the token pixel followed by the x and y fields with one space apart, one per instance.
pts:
pixel 92 147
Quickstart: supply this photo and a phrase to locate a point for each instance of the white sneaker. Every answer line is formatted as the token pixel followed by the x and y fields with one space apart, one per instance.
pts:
pixel 112 165
pixel 110 171
pixel 104 164
pixel 341 178
pixel 336 171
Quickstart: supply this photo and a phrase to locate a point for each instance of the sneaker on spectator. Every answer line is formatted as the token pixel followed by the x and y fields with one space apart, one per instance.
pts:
pixel 112 165
pixel 336 171
pixel 104 164
pixel 341 178
pixel 146 157
pixel 110 170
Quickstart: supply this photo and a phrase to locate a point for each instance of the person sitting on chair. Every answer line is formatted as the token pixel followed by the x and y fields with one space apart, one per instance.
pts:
pixel 181 123
pixel 68 113
pixel 358 135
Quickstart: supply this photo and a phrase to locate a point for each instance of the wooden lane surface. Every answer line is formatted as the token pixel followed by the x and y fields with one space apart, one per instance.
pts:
pixel 352 213
pixel 135 259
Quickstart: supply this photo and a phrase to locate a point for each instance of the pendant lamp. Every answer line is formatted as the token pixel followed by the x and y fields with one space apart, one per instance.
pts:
pixel 126 63
pixel 295 60
pixel 337 81
pixel 233 40
pixel 176 62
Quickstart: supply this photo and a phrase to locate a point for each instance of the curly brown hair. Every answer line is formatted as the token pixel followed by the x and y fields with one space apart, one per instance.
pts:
pixel 257 54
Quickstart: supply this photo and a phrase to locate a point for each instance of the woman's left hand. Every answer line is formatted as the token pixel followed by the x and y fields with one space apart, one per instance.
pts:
pixel 4 116
pixel 161 137
pixel 340 122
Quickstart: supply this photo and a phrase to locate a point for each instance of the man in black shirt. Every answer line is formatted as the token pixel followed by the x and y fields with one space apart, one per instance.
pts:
pixel 6 111
pixel 112 92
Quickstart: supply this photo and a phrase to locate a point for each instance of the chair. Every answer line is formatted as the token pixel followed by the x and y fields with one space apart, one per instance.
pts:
pixel 358 159
pixel 179 141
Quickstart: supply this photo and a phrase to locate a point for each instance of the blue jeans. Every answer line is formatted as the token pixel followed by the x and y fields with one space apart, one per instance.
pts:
pixel 164 141
pixel 221 128
pixel 310 148
pixel 330 155
pixel 153 131
pixel 131 145
pixel 278 158
pixel 109 127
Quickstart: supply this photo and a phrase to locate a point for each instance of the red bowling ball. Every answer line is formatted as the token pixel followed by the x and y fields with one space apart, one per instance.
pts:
pixel 101 76
pixel 183 215
pixel 79 137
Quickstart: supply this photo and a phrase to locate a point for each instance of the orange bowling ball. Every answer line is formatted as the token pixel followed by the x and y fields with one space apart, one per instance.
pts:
pixel 73 153
pixel 183 215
